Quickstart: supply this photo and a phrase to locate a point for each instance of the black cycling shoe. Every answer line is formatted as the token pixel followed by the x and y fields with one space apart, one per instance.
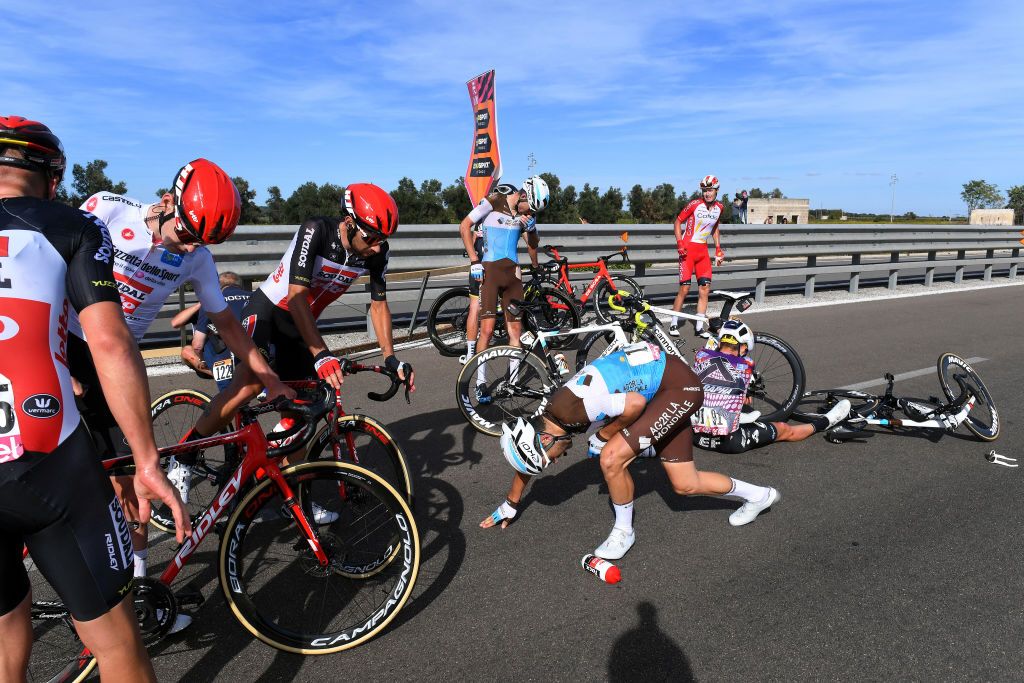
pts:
pixel 483 396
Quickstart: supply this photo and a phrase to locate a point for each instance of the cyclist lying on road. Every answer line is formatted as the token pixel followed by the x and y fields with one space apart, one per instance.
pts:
pixel 649 397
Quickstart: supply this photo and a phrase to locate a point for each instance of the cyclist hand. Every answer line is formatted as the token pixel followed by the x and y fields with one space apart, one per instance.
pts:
pixel 403 369
pixel 152 484
pixel 719 257
pixel 681 248
pixel 328 368
pixel 279 388
pixel 476 270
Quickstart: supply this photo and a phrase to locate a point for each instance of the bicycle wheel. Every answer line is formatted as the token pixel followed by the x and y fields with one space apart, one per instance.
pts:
pixel 447 321
pixel 501 384
pixel 779 378
pixel 983 420
pixel 823 400
pixel 593 346
pixel 558 313
pixel 365 442
pixel 58 655
pixel 173 415
pixel 280 592
pixel 623 284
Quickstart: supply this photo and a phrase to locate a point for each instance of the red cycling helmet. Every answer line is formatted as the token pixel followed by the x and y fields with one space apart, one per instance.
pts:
pixel 41 148
pixel 371 208
pixel 206 203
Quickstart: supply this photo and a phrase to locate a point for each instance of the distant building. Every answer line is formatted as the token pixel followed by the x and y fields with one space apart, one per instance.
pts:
pixel 793 210
pixel 991 217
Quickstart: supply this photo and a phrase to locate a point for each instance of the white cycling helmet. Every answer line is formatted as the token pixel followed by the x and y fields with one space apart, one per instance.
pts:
pixel 736 333
pixel 709 182
pixel 520 445
pixel 537 193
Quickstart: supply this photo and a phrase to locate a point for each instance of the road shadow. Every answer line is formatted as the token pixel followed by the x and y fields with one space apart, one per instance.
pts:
pixel 430 448
pixel 646 653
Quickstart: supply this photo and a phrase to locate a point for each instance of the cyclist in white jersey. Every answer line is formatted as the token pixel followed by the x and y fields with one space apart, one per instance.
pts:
pixel 645 399
pixel 158 248
pixel 55 498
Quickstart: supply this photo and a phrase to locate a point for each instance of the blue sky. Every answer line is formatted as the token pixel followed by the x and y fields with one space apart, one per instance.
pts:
pixel 824 100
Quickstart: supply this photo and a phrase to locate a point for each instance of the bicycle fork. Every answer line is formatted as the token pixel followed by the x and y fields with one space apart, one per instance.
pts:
pixel 291 503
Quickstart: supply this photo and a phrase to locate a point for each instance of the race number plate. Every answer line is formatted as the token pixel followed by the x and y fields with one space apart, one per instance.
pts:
pixel 223 370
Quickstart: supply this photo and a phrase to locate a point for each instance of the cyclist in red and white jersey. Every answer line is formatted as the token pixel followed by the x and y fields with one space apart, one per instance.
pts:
pixel 701 217
pixel 54 495
pixel 323 260
pixel 156 249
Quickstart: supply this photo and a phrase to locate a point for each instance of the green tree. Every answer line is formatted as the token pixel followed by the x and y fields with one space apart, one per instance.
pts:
pixel 588 204
pixel 432 211
pixel 408 199
pixel 456 201
pixel 756 193
pixel 251 213
pixel 641 206
pixel 1015 196
pixel 611 205
pixel 666 204
pixel 562 207
pixel 88 180
pixel 979 194
pixel 276 209
pixel 311 200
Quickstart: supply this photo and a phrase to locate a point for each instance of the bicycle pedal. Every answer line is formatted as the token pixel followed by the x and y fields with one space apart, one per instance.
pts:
pixel 189 597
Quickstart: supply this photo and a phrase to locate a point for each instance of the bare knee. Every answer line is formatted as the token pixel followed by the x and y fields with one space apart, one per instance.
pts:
pixel 616 455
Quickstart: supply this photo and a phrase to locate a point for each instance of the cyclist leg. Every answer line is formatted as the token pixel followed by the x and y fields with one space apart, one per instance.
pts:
pixel 115 641
pixel 16 635
pixel 473 317
pixel 488 305
pixel 685 275
pixel 513 290
pixel 702 267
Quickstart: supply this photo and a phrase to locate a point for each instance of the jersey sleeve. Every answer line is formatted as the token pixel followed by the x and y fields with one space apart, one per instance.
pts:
pixel 90 277
pixel 206 282
pixel 481 210
pixel 688 210
pixel 307 246
pixel 377 270
pixel 202 323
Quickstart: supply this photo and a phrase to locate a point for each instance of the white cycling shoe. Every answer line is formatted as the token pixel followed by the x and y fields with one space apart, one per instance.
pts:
pixel 839 412
pixel 749 511
pixel 617 544
pixel 181 622
pixel 180 476
pixel 323 515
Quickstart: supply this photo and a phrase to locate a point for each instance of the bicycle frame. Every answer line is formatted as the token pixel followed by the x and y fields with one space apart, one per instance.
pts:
pixel 600 268
pixel 945 416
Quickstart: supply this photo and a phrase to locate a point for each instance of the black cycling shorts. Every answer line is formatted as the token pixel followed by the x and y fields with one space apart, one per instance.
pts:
pixel 665 422
pixel 62 506
pixel 274 333
pixel 107 436
pixel 748 436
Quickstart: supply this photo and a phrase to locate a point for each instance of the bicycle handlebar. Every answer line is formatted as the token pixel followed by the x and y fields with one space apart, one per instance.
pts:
pixel 309 412
pixel 351 368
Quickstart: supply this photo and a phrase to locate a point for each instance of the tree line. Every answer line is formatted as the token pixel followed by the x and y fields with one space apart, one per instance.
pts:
pixel 979 194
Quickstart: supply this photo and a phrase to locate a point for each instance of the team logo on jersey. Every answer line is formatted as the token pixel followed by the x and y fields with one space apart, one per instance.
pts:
pixel 128 234
pixel 8 328
pixel 91 204
pixel 41 406
pixel 171 259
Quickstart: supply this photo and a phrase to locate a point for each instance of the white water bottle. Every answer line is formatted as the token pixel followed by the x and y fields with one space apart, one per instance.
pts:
pixel 563 366
pixel 601 568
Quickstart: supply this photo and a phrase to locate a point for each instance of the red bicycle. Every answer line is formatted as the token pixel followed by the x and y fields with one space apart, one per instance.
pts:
pixel 603 284
pixel 296 585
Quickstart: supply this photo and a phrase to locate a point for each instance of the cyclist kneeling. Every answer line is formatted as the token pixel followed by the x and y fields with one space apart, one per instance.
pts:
pixel 649 397
pixel 725 374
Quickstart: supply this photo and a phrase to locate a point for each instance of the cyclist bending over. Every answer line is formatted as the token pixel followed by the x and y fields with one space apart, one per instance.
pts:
pixel 649 398
pixel 702 217
pixel 504 217
pixel 725 375
pixel 55 497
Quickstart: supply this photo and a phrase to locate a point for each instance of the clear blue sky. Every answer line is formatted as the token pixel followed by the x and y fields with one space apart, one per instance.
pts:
pixel 824 100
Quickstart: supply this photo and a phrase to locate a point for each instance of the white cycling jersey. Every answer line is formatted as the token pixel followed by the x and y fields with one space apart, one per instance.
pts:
pixel 501 230
pixel 146 273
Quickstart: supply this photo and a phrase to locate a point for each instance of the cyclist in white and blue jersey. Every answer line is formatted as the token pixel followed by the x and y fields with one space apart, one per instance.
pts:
pixel 645 399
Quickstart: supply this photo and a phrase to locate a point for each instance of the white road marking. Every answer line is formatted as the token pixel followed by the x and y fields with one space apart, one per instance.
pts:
pixel 902 376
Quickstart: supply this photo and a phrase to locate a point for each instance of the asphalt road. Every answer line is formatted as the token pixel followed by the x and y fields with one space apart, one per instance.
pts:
pixel 895 558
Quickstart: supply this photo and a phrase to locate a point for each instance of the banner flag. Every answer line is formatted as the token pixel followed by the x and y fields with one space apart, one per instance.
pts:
pixel 485 161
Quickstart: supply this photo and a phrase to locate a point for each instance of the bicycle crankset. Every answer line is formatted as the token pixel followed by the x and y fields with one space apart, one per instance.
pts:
pixel 156 608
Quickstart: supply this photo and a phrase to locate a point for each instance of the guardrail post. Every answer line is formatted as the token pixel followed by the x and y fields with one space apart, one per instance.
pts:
pixel 812 262
pixel 989 253
pixel 855 275
pixel 762 282
pixel 419 302
pixel 894 274
pixel 1013 266
pixel 958 277
pixel 640 269
pixel 929 271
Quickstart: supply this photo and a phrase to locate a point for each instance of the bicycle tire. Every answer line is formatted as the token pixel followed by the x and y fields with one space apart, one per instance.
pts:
pixel 622 283
pixel 386 460
pixel 558 313
pixel 779 378
pixel 976 422
pixel 593 346
pixel 270 591
pixel 58 655
pixel 173 414
pixel 527 396
pixel 447 321
pixel 821 401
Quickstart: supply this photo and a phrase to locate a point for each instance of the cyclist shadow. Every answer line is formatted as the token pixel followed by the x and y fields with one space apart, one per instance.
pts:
pixel 646 653
pixel 429 444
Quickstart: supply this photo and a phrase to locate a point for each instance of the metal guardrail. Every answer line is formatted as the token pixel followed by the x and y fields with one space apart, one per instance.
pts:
pixel 761 254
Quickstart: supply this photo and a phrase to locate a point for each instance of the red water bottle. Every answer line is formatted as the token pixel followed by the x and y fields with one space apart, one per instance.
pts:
pixel 601 568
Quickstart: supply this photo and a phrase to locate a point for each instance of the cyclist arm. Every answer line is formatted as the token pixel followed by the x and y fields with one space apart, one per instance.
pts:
pixel 478 213
pixel 235 338
pixel 380 312
pixel 532 240
pixel 185 316
pixel 192 355
pixel 515 495
pixel 680 221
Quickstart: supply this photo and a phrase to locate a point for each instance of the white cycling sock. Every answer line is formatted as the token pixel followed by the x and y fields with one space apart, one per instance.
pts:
pixel 139 556
pixel 470 348
pixel 748 492
pixel 481 376
pixel 624 516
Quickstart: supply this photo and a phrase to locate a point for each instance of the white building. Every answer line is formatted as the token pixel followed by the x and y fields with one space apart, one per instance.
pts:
pixel 792 210
pixel 991 217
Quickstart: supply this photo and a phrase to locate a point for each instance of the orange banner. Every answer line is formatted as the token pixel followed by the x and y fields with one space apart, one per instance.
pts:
pixel 484 161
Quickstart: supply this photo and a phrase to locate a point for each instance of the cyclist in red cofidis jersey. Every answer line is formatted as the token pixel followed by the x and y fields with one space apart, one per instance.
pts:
pixel 701 218
pixel 55 498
